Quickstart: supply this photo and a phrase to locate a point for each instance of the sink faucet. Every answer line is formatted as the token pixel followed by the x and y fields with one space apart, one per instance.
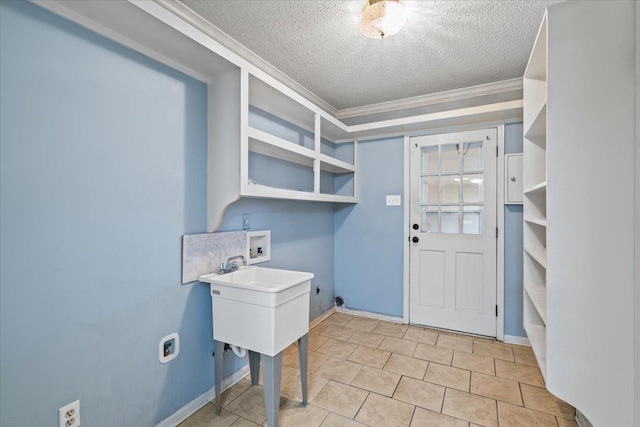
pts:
pixel 231 264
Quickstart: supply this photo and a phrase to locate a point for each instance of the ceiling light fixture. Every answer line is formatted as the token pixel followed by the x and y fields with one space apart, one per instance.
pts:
pixel 382 18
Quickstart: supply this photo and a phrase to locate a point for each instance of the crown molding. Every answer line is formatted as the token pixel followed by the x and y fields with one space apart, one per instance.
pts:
pixel 434 98
pixel 191 17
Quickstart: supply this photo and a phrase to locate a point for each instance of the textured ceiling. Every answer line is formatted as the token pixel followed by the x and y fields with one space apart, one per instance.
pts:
pixel 445 45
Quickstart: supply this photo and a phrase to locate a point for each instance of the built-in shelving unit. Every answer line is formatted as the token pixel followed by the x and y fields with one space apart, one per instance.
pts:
pixel 535 198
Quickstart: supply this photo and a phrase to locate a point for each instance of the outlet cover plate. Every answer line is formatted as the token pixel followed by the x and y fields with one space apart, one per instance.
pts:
pixel 246 222
pixel 69 414
pixel 394 200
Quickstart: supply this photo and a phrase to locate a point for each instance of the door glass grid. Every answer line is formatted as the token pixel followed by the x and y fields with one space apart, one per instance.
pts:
pixel 452 188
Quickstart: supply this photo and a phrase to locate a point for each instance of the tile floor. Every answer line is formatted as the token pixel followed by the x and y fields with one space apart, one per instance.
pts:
pixel 365 372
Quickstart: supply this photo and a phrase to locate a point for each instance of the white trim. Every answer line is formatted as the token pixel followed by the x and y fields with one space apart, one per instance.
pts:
pixel 637 226
pixel 191 17
pixel 369 314
pixel 192 407
pixel 582 421
pixel 407 231
pixel 501 230
pixel 315 322
pixel 513 339
pixel 433 98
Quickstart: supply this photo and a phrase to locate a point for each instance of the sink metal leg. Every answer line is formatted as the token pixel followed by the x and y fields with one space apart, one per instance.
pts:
pixel 254 366
pixel 272 366
pixel 218 348
pixel 303 347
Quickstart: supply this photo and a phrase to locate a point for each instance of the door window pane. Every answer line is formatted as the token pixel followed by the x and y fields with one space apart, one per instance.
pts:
pixel 450 219
pixel 472 219
pixel 430 159
pixel 429 194
pixel 472 156
pixel 450 189
pixel 450 158
pixel 472 188
pixel 430 219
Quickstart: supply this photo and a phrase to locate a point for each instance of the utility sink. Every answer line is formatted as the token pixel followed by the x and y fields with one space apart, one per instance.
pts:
pixel 261 309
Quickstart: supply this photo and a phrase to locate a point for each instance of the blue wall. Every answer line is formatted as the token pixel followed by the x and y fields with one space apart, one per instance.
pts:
pixel 513 254
pixel 369 236
pixel 103 169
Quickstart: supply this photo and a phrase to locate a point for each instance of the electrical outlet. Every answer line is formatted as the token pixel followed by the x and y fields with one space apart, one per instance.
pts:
pixel 69 415
pixel 246 222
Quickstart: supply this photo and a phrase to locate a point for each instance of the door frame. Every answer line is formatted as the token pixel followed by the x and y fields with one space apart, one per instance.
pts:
pixel 499 222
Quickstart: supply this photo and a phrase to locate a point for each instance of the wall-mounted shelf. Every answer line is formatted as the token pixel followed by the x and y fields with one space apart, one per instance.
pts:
pixel 537 221
pixel 540 187
pixel 538 296
pixel 537 335
pixel 538 253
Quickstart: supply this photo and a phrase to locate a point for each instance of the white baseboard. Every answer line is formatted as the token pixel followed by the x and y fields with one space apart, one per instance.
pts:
pixel 513 339
pixel 315 322
pixel 192 407
pixel 369 314
pixel 582 420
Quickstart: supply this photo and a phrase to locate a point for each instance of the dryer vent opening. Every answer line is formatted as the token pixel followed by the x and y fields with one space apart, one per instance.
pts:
pixel 339 301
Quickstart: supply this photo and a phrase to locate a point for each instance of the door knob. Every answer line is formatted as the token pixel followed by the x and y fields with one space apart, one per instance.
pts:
pixel 416 226
pixel 415 239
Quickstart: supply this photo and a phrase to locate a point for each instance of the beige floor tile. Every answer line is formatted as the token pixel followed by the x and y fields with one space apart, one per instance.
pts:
pixel 524 355
pixel 250 405
pixel 206 417
pixel 420 335
pixel 420 393
pixel 236 390
pixel 398 346
pixel 449 377
pixel 495 350
pixel 516 416
pixel 367 338
pixel 391 329
pixel 341 399
pixel 339 319
pixel 455 343
pixel 432 353
pixel 338 332
pixel 496 388
pixel 314 360
pixel 540 399
pixel 370 357
pixel 292 414
pixel 292 387
pixel 380 411
pixel 335 420
pixel 363 324
pixel 473 362
pixel 409 366
pixel 566 423
pixel 339 370
pixel 424 418
pixel 376 380
pixel 243 422
pixel 521 373
pixel 469 407
pixel 316 341
pixel 337 348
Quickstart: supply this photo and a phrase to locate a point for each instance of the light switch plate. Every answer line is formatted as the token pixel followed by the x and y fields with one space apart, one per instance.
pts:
pixel 394 200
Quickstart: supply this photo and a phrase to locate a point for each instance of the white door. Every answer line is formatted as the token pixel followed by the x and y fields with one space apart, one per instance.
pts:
pixel 453 231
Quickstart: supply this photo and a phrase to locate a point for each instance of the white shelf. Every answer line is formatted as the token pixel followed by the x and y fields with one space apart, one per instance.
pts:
pixel 542 222
pixel 538 253
pixel 538 339
pixel 266 192
pixel 536 189
pixel 263 143
pixel 538 296
pixel 537 131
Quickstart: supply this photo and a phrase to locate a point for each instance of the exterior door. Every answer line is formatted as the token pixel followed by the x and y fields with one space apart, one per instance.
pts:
pixel 453 244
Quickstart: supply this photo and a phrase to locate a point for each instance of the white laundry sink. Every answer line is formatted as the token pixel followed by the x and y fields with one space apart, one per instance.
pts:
pixel 260 309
